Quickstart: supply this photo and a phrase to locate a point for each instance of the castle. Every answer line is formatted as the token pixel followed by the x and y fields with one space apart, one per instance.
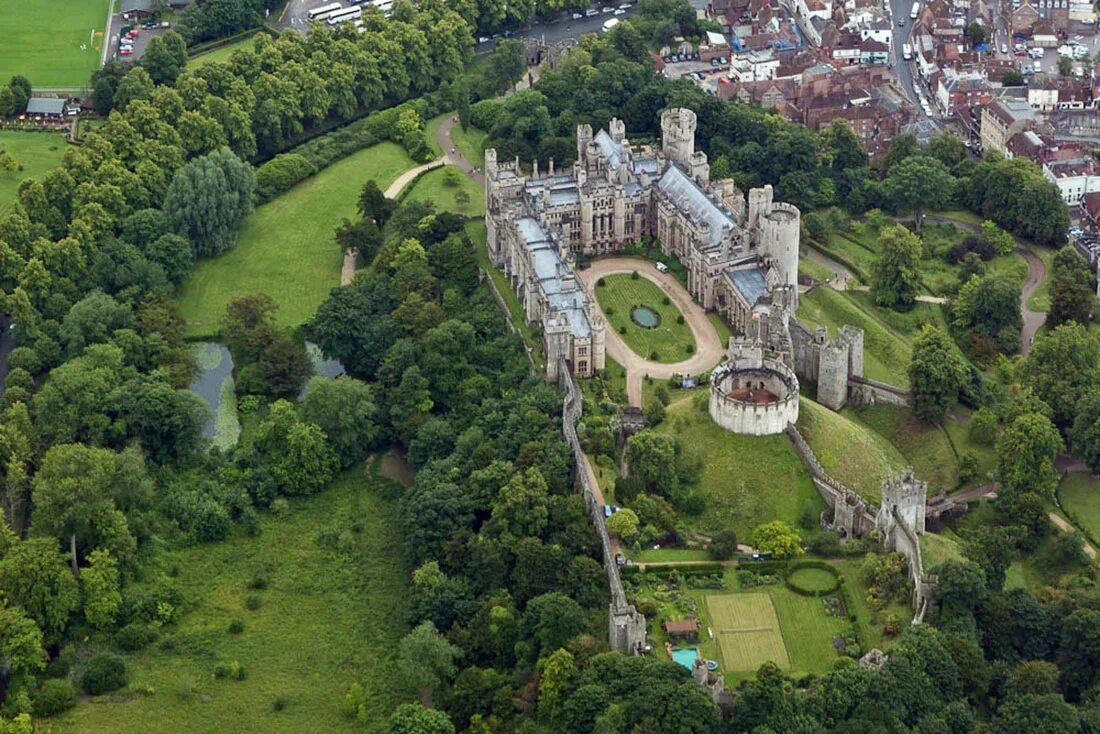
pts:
pixel 740 253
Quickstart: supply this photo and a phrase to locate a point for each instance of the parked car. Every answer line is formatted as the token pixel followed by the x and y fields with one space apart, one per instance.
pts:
pixel 625 6
pixel 620 11
pixel 149 25
pixel 591 11
pixel 577 16
pixel 607 9
pixel 901 21
pixel 126 51
pixel 620 559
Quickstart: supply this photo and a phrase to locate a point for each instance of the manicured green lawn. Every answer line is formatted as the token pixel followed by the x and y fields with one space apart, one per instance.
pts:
pixel 959 433
pixel 476 230
pixel 851 453
pixel 814 579
pixel 219 55
pixel 38 153
pixel 668 341
pixel 329 618
pixel 1079 494
pixel 441 187
pixel 745 480
pixel 669 555
pixel 886 354
pixel 286 248
pixel 925 448
pixel 721 327
pixel 42 40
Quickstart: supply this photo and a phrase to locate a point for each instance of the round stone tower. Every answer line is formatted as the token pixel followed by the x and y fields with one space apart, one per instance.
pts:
pixel 779 237
pixel 678 135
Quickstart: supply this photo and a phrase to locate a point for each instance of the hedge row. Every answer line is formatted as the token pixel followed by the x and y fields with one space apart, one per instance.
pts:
pixel 700 568
pixel 812 563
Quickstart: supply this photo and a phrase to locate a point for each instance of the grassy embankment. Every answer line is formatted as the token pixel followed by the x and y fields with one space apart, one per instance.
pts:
pixel 286 248
pixel 330 616
pixel 219 55
pixel 670 340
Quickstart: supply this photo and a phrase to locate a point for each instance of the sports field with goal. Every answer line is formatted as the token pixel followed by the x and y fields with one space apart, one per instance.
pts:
pixel 54 43
pixel 747 629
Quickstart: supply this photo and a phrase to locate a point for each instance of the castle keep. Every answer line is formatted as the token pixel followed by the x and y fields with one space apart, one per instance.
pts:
pixel 740 253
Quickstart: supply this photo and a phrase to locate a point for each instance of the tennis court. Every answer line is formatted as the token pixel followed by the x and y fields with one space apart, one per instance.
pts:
pixel 746 628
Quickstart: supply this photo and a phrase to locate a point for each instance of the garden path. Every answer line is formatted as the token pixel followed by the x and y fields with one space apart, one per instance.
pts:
pixel 709 349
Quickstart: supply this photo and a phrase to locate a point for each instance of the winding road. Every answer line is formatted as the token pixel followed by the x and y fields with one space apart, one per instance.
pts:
pixel 709 349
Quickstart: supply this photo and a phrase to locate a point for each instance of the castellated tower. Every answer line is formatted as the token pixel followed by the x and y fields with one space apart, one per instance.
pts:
pixel 779 232
pixel 906 494
pixel 853 338
pixel 760 202
pixel 584 137
pixel 832 375
pixel 678 135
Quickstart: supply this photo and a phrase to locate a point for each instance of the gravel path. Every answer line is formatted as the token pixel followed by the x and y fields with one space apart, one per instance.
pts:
pixel 709 349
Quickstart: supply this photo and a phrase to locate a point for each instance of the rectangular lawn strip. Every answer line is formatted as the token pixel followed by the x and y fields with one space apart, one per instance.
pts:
pixel 329 618
pixel 669 341
pixel 441 187
pixel 42 40
pixel 747 630
pixel 669 555
pixel 886 354
pixel 848 451
pixel 926 448
pixel 744 480
pixel 476 230
pixel 721 327
pixel 286 247
pixel 38 153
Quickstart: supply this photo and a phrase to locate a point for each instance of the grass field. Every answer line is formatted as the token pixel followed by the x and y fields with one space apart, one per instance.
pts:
pixel 441 188
pixel 470 142
pixel 219 55
pixel 935 548
pixel 748 633
pixel 926 448
pixel 286 248
pixel 745 480
pixel 328 619
pixel 669 341
pixel 847 450
pixel 814 579
pixel 1040 299
pixel 1079 494
pixel 721 327
pixel 42 40
pixel 886 353
pixel 37 153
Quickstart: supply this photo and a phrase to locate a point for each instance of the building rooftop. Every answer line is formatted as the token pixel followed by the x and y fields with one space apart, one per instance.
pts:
pixel 750 283
pixel 686 195
pixel 45 106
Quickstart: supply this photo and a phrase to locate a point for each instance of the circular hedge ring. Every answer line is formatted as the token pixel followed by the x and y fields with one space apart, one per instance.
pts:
pixel 812 578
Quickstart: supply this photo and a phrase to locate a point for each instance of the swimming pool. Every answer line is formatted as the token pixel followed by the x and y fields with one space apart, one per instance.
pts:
pixel 686 656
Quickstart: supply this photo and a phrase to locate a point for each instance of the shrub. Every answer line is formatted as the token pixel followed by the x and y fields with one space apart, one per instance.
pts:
pixel 601 283
pixel 665 301
pixel 610 310
pixel 259 580
pixel 103 673
pixel 634 275
pixel 679 318
pixel 723 546
pixel 253 602
pixel 281 173
pixel 236 627
pixel 230 669
pixel 280 507
pixel 134 636
pixel 55 695
pixel 654 355
pixel 690 349
pixel 279 703
pixel 622 329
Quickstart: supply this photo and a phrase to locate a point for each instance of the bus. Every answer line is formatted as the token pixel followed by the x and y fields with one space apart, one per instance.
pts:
pixel 907 52
pixel 386 6
pixel 915 11
pixel 322 12
pixel 343 16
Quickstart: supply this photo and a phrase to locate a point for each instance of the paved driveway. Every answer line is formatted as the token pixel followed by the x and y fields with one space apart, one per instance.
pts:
pixel 709 349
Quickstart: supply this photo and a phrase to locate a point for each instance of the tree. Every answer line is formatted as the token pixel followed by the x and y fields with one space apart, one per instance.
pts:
pixel 354 324
pixel 977 33
pixel 1027 451
pixel 173 254
pixel 551 621
pixel 412 718
pixel 1062 366
pixel 723 546
pixel 1001 241
pixel 777 538
pixel 410 404
pixel 374 205
pixel 948 148
pixel 426 660
pixel 33 577
pixel 1085 433
pixel 557 672
pixel 1065 66
pixel 165 57
pixel 895 278
pixel 623 523
pixel 1071 295
pixel 208 198
pixel 936 373
pixel 21 88
pixel 989 306
pixel 652 457
pixel 21 648
pixel 917 184
pixel 92 320
pixel 1031 713
pixel 100 584
pixel 1012 78
pixel 136 85
pixel 346 410
pixel 295 454
pixel 1037 677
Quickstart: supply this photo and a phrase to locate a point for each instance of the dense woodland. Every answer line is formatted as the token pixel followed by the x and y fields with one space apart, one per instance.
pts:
pixel 103 461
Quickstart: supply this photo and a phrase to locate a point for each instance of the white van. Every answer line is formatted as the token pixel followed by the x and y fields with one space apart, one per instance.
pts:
pixel 661 267
pixel 609 24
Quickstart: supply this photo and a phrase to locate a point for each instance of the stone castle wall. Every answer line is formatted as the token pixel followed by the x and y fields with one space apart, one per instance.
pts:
pixel 754 419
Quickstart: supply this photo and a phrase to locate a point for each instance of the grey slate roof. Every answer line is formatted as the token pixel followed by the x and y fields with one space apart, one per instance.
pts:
pixel 612 151
pixel 749 283
pixel 687 196
pixel 550 270
pixel 45 106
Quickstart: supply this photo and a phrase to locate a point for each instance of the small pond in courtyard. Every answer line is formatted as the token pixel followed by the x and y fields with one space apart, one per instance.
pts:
pixel 645 317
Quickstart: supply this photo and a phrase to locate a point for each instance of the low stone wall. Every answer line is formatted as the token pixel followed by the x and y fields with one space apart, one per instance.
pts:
pixel 904 540
pixel 626 626
pixel 862 391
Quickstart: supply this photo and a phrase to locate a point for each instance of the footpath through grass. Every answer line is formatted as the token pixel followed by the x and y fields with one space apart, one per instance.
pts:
pixel 286 248
pixel 54 43
pixel 744 480
pixel 331 615
pixel 668 340
pixel 38 153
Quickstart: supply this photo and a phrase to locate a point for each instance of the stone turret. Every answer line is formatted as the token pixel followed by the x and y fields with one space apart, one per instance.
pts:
pixel 853 337
pixel 584 137
pixel 760 202
pixel 779 233
pixel 678 135
pixel 832 375
pixel 616 128
pixel 908 496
